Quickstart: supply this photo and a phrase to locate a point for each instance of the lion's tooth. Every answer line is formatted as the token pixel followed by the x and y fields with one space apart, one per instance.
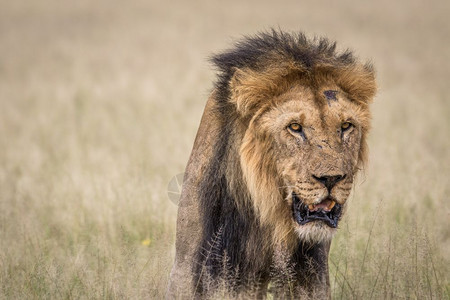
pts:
pixel 332 204
pixel 311 206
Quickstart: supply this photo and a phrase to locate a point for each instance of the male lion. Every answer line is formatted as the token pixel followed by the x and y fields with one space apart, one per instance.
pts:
pixel 280 141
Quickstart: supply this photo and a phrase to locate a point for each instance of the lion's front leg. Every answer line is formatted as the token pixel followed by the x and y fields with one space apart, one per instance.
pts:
pixel 311 265
pixel 302 275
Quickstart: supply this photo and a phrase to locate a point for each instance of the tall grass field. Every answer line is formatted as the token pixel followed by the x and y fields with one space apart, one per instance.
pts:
pixel 99 106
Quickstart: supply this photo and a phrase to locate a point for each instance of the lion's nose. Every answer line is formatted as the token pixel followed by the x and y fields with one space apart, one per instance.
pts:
pixel 329 181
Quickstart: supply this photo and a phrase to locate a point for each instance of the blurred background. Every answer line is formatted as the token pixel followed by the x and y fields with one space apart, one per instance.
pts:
pixel 99 106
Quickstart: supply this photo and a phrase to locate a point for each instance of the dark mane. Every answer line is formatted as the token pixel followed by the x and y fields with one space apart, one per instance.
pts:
pixel 259 51
pixel 227 229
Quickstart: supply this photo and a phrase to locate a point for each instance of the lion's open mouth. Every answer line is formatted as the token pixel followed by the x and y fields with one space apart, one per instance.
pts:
pixel 327 211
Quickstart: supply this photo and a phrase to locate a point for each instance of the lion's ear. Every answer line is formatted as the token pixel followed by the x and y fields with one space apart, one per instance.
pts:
pixel 246 90
pixel 359 82
pixel 250 89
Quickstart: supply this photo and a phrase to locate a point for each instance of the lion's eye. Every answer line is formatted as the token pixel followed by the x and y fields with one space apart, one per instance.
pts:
pixel 346 125
pixel 295 127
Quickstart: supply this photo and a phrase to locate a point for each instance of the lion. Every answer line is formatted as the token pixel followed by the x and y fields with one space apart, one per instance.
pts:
pixel 281 139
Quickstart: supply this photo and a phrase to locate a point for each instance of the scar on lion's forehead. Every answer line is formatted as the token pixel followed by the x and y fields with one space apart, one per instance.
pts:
pixel 330 94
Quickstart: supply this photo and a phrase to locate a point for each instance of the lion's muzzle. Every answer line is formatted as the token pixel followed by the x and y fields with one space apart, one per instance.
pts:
pixel 327 211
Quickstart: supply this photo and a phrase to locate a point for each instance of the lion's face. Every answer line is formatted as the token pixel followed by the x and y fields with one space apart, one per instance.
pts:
pixel 313 142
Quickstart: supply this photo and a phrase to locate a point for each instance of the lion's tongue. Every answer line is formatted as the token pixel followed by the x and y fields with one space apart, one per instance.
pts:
pixel 325 205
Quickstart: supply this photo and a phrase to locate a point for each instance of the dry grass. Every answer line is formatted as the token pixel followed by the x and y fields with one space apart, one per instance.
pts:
pixel 99 105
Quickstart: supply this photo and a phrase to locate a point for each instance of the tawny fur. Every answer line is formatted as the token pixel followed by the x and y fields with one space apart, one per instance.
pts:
pixel 246 164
